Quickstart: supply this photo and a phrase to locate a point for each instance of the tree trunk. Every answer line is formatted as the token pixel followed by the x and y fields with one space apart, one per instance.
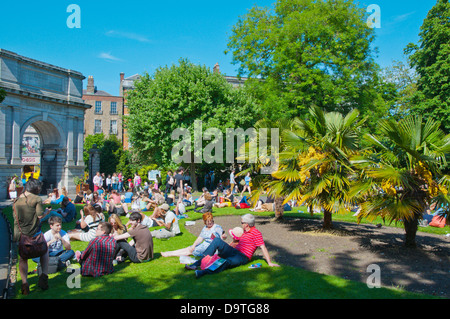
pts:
pixel 193 176
pixel 279 208
pixel 327 220
pixel 410 226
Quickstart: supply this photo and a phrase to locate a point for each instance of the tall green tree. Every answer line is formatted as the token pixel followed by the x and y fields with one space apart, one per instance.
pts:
pixel 176 97
pixel 431 59
pixel 307 52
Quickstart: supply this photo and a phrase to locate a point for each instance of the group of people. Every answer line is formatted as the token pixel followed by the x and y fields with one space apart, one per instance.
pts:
pixel 108 238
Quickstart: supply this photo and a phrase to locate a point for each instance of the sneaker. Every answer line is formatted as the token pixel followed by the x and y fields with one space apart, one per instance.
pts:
pixel 67 263
pixel 199 273
pixel 190 267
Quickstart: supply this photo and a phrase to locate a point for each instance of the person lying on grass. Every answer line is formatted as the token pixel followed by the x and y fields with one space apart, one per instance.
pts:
pixel 207 235
pixel 140 249
pixel 235 256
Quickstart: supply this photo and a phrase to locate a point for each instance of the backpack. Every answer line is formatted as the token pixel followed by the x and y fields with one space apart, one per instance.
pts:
pixel 437 221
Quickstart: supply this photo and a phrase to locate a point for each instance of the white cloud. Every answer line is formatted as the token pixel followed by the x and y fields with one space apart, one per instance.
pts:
pixel 403 17
pixel 108 56
pixel 127 35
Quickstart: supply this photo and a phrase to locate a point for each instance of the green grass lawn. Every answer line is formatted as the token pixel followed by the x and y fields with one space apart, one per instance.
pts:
pixel 166 278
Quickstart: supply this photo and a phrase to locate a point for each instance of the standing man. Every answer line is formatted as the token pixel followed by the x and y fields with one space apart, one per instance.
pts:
pixel 179 183
pixel 241 254
pixel 98 182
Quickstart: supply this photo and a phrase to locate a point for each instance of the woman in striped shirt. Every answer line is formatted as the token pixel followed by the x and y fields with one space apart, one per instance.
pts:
pixel 89 221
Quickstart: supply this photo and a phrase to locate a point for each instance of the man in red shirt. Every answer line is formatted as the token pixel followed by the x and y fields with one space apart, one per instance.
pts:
pixel 97 259
pixel 235 256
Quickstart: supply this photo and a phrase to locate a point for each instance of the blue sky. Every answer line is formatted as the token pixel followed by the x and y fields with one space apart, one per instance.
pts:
pixel 139 36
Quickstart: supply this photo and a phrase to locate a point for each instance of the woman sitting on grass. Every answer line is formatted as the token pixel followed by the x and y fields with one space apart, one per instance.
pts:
pixel 89 222
pixel 208 233
pixel 228 200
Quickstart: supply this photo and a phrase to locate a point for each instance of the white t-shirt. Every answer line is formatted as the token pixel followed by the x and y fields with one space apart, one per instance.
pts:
pixel 171 218
pixel 181 208
pixel 57 246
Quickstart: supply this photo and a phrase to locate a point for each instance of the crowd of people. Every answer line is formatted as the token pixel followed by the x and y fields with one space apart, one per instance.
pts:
pixel 110 241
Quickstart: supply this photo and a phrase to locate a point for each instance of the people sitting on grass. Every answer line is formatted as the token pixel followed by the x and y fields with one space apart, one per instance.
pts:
pixel 169 222
pixel 54 198
pixel 66 212
pixel 97 259
pixel 115 204
pixel 118 228
pixel 207 207
pixel 200 202
pixel 235 256
pixel 140 249
pixel 90 219
pixel 208 233
pixel 79 198
pixel 228 200
pixel 58 242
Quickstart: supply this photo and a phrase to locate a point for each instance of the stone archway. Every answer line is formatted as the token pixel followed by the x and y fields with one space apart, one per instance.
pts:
pixel 48 98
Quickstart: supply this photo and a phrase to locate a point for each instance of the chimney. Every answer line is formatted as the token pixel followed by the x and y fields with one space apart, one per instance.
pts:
pixel 216 68
pixel 122 77
pixel 90 85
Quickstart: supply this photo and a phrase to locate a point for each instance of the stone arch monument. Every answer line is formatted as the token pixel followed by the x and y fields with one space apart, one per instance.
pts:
pixel 49 99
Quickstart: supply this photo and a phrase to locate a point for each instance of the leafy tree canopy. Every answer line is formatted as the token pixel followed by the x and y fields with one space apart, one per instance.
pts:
pixel 431 59
pixel 307 52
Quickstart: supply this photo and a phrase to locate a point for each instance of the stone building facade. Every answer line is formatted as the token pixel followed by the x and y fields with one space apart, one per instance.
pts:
pixel 48 98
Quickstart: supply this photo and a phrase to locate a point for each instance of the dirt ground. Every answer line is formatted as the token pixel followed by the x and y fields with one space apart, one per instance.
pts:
pixel 350 249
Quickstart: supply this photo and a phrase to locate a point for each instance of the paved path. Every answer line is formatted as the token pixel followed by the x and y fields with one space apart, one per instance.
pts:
pixel 4 249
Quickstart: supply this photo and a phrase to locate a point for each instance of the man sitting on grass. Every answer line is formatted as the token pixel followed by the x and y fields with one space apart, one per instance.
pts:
pixel 141 248
pixel 240 255
pixel 97 259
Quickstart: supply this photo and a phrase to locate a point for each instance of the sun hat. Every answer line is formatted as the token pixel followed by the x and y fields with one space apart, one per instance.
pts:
pixel 165 207
pixel 236 232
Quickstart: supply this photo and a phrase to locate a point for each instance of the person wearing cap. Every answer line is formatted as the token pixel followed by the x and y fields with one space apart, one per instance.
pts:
pixel 250 240
pixel 169 222
pixel 207 235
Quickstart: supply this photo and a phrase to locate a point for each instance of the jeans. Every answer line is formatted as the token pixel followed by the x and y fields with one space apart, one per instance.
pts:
pixel 64 256
pixel 232 256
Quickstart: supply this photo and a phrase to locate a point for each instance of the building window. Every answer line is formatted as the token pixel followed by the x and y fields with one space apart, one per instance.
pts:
pixel 98 127
pixel 114 108
pixel 113 127
pixel 98 107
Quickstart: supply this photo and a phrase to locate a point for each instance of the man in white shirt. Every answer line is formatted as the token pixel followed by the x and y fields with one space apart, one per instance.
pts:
pixel 170 223
pixel 98 182
pixel 58 242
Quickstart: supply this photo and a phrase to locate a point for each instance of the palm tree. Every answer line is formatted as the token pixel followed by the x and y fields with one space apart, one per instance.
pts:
pixel 400 177
pixel 314 166
pixel 260 181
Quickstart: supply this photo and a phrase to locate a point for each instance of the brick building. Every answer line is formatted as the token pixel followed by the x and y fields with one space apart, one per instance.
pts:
pixel 126 84
pixel 105 115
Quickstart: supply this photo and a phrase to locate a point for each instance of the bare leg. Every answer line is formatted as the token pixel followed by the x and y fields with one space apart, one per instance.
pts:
pixel 180 252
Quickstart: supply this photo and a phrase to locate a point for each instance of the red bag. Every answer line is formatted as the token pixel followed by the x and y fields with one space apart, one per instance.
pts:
pixel 208 260
pixel 438 221
pixel 244 205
